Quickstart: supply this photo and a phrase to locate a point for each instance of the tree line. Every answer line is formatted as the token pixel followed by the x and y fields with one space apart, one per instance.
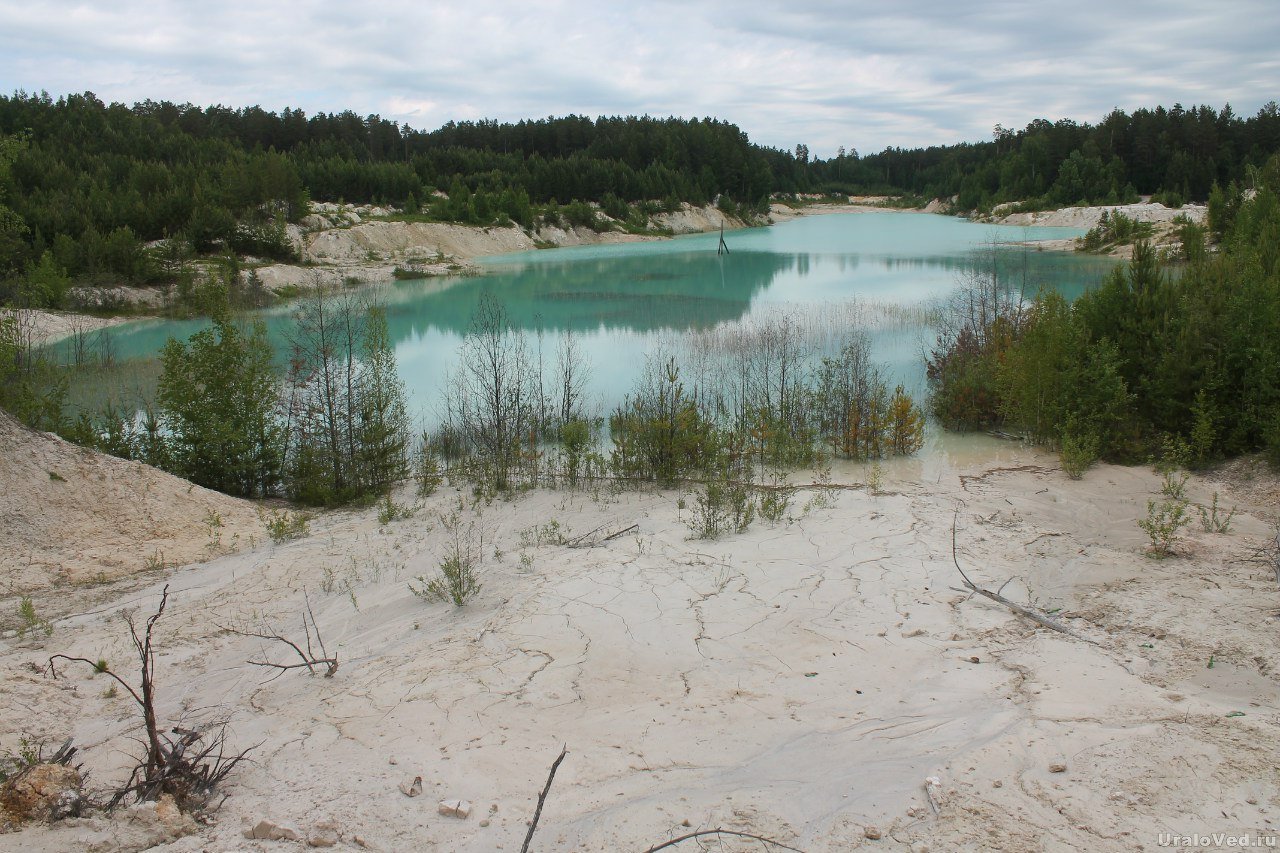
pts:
pixel 1175 154
pixel 87 188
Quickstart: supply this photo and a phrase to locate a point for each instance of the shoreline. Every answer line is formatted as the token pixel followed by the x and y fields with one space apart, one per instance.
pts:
pixel 340 248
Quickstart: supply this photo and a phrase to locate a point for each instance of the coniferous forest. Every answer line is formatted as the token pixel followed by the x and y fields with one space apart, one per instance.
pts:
pixel 85 185
pixel 1152 361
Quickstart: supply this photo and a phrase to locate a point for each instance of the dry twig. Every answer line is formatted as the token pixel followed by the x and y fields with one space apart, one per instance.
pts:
pixel 974 589
pixel 542 799
pixel 584 540
pixel 167 768
pixel 310 660
pixel 704 832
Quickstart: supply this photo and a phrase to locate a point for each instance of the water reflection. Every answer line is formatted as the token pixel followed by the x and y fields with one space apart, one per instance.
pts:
pixel 620 300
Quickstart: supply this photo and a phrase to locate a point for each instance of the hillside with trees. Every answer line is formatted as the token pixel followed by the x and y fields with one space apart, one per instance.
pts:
pixel 87 188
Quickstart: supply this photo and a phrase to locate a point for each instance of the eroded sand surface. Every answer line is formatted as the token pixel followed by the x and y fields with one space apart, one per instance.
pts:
pixel 799 681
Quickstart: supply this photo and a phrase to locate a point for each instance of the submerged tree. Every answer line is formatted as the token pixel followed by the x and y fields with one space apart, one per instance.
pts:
pixel 492 406
pixel 347 424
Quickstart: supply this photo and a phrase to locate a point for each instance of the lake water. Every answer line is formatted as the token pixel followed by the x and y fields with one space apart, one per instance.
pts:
pixel 623 300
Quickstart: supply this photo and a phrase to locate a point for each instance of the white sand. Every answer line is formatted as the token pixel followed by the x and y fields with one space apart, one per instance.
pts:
pixel 800 681
pixel 38 327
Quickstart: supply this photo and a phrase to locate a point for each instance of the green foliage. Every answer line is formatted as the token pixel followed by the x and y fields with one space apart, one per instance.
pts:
pixel 775 498
pixel 1144 361
pixel 723 506
pixel 30 753
pixel 285 526
pixel 575 438
pixel 44 285
pixel 1078 452
pixel 977 328
pixel 1115 229
pixel 217 401
pixel 390 510
pixel 550 533
pixel 1163 526
pixel 426 468
pixel 457 581
pixel 347 422
pixel 30 621
pixel 658 432
pixel 1212 518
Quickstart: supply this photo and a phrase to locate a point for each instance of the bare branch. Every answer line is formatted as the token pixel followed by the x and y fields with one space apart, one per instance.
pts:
pixel 972 588
pixel 542 799
pixel 704 832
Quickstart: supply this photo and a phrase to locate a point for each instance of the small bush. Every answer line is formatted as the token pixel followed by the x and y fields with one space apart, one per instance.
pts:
pixel 1212 519
pixel 1163 524
pixel 775 499
pixel 457 581
pixel 389 510
pixel 551 533
pixel 427 468
pixel 1078 452
pixel 31 621
pixel 284 526
pixel 722 507
pixel 1174 486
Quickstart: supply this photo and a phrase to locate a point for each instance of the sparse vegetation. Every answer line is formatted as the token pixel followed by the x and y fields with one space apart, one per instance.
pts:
pixel 283 526
pixel 722 506
pixel 390 510
pixel 1163 526
pixel 457 581
pixel 30 621
pixel 187 767
pixel 1212 518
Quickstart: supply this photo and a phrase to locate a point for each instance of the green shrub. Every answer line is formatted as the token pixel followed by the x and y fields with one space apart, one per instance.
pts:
pixel 1212 520
pixel 284 526
pixel 457 581
pixel 775 499
pixel 1078 452
pixel 723 506
pixel 1163 525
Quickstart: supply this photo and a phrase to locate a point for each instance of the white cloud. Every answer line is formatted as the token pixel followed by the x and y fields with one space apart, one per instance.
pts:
pixel 824 72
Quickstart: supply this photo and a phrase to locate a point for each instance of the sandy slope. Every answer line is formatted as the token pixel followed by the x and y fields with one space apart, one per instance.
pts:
pixel 339 244
pixel 71 518
pixel 800 681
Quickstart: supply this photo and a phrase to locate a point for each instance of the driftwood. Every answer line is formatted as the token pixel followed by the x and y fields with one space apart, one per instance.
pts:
pixel 309 659
pixel 1268 555
pixel 542 799
pixel 705 832
pixel 171 765
pixel 973 589
pixel 585 541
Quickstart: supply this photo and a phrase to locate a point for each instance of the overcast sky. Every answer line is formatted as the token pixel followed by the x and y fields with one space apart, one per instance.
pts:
pixel 856 74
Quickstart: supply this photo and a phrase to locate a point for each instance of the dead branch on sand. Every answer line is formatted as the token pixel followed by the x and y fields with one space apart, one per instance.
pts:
pixel 972 589
pixel 310 660
pixel 1268 555
pixel 542 799
pixel 170 766
pixel 704 832
pixel 585 540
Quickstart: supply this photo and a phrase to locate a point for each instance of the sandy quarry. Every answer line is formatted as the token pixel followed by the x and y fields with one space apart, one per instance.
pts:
pixel 799 681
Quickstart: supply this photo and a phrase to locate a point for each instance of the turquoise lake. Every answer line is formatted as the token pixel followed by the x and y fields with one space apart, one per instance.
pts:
pixel 621 301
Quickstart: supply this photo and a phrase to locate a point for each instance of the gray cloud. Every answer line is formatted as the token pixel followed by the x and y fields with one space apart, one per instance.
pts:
pixel 824 72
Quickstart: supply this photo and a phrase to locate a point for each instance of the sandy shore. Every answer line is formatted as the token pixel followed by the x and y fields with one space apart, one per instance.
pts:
pixel 800 681
pixel 38 327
